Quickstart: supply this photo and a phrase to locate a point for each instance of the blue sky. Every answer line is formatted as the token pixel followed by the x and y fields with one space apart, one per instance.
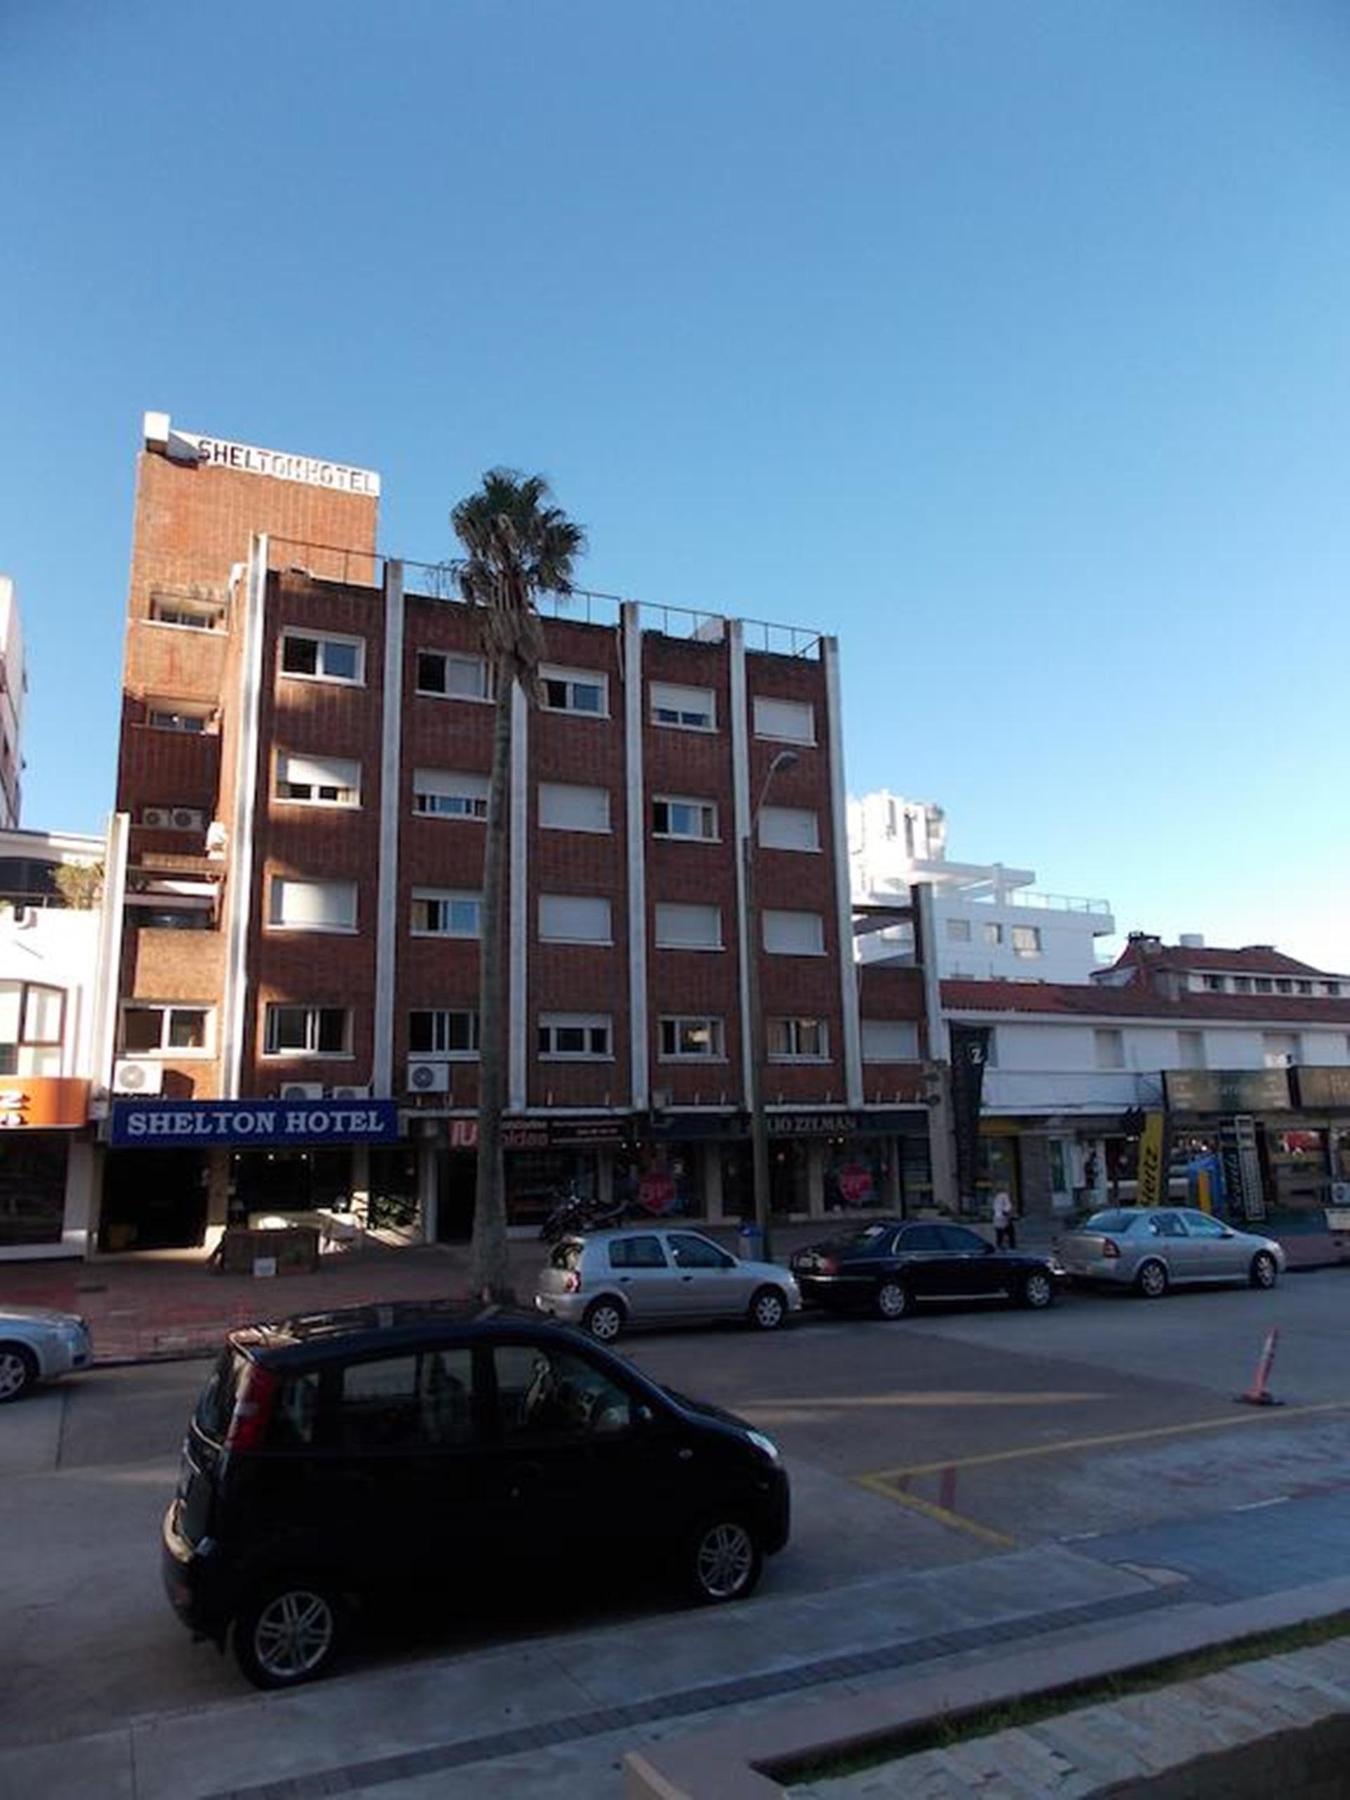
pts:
pixel 1007 341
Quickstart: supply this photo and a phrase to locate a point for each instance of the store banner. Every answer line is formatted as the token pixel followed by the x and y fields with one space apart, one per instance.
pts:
pixel 1243 1186
pixel 970 1053
pixel 1151 1188
pixel 236 1124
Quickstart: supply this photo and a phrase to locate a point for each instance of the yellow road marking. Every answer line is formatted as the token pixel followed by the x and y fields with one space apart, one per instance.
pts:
pixel 942 1515
pixel 1228 1421
pixel 930 1398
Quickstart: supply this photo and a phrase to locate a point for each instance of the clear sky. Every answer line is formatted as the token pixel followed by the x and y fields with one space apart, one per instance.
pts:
pixel 1008 341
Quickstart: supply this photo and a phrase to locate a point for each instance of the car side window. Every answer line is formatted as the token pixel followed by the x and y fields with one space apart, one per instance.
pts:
pixel 1168 1225
pixel 295 1417
pixel 636 1253
pixel 1200 1225
pixel 554 1396
pixel 919 1238
pixel 693 1252
pixel 962 1241
pixel 408 1402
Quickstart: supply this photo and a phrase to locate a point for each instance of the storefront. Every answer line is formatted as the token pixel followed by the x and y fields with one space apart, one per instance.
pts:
pixel 45 1167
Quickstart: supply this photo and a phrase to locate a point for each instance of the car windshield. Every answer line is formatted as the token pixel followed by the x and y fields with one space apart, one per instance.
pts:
pixel 565 1255
pixel 1111 1221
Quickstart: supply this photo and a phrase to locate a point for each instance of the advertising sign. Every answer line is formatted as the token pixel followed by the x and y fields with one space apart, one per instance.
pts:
pixel 1242 1168
pixel 36 1101
pixel 235 1124
pixel 970 1052
pixel 1323 1087
pixel 1152 1181
pixel 1227 1090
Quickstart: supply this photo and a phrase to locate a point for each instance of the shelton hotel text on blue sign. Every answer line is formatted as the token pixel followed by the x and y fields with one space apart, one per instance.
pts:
pixel 175 1124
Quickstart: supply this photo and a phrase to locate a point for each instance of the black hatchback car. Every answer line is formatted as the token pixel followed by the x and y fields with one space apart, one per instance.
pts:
pixel 886 1266
pixel 353 1456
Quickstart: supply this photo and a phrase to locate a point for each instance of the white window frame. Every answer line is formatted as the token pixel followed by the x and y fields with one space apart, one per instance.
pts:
pixel 195 615
pixel 561 936
pixel 447 899
pixel 571 679
pixel 1034 947
pixel 466 658
pixel 281 776
pixel 784 816
pixel 161 714
pixel 1192 1051
pixel 777 733
pixel 587 1022
pixel 958 931
pixel 873 1044
pixel 707 809
pixel 662 920
pixel 303 634
pixel 440 1015
pixel 166 1009
pixel 1106 1040
pixel 276 896
pixel 686 708
pixel 309 1053
pixel 469 804
pixel 1288 1058
pixel 557 788
pixel 793 1034
pixel 672 1027
pixel 770 914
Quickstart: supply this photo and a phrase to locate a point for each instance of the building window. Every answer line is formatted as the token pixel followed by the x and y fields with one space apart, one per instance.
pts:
pixel 312 905
pixel 786 721
pixel 691 1040
pixel 1264 985
pixel 788 828
pixel 574 919
pixel 1026 940
pixel 1109 1048
pixel 677 816
pixel 958 931
pixel 1281 1049
pixel 574 1037
pixel 1305 987
pixel 445 1032
pixel 169 715
pixel 1191 1049
pixel 453 675
pixel 318 780
pixel 166 1030
pixel 1214 984
pixel 798 1040
pixel 563 807
pixel 323 658
pixel 890 1040
pixel 1332 989
pixel 195 615
pixel 992 936
pixel 446 794
pixel 306 1031
pixel 794 933
pixel 444 912
pixel 688 927
pixel 689 708
pixel 575 691
pixel 1284 987
pixel 32 1018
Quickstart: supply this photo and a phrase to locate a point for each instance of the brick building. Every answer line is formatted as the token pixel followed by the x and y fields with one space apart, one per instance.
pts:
pixel 305 747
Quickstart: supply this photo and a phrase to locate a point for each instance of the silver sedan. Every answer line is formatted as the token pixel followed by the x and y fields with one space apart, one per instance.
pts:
pixel 1154 1248
pixel 37 1344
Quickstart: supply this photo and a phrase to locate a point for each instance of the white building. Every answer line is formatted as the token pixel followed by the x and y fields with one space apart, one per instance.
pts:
pixel 991 923
pixel 13 689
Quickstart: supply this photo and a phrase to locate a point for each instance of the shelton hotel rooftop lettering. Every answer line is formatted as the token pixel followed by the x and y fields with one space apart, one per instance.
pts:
pixel 282 465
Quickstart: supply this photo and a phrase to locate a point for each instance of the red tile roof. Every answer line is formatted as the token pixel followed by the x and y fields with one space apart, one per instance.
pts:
pixel 1099 1001
pixel 1252 959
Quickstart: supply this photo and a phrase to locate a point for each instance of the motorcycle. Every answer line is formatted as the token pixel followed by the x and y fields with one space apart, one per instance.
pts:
pixel 573 1212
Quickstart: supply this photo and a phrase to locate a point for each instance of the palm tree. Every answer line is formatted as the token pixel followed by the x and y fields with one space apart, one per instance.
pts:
pixel 518 546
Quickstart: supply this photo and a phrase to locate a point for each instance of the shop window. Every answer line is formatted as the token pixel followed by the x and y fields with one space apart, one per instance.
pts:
pixel 318 780
pixel 453 676
pixel 574 691
pixel 794 933
pixel 574 919
pixel 688 927
pixel 789 828
pixel 675 816
pixel 325 658
pixel 32 1018
pixel 691 1040
pixel 446 912
pixel 33 1187
pixel 574 1037
pixel 446 794
pixel 798 1040
pixel 306 1031
pixel 689 708
pixel 167 1030
pixel 441 1031
pixel 565 807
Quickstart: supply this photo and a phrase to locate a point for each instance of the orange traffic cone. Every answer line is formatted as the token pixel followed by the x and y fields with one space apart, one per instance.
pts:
pixel 1259 1394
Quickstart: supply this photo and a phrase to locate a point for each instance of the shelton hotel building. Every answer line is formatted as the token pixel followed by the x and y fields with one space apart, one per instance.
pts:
pixel 302 783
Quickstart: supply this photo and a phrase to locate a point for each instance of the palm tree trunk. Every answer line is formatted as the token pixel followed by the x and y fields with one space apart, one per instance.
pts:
pixel 490 1264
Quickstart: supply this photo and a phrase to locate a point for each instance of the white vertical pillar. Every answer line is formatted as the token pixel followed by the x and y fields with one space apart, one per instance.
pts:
pixel 517 1003
pixel 848 968
pixel 740 789
pixel 239 894
pixel 636 824
pixel 386 905
pixel 941 1142
pixel 108 968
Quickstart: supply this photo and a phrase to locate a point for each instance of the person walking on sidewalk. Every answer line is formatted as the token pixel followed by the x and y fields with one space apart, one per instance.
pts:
pixel 1005 1229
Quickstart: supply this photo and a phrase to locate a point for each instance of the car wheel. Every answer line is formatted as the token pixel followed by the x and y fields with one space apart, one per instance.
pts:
pixel 604 1320
pixel 18 1371
pixel 287 1633
pixel 892 1301
pixel 723 1561
pixel 1037 1290
pixel 1151 1280
pixel 768 1309
pixel 1263 1272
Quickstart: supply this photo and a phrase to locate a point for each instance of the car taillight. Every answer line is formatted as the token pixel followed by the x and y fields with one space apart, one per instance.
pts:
pixel 571 1282
pixel 1110 1248
pixel 828 1265
pixel 252 1408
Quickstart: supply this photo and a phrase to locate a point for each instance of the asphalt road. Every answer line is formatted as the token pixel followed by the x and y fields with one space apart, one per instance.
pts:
pixel 937 1439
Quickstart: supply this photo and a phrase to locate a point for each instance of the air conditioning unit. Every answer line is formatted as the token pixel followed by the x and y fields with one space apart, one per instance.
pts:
pixel 157 816
pixel 349 1093
pixel 301 1090
pixel 428 1077
pixel 188 818
pixel 137 1077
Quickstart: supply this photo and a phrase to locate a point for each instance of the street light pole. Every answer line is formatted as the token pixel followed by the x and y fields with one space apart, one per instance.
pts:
pixel 759 1123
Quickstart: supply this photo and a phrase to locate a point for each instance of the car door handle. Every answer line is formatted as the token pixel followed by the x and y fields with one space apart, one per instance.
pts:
pixel 624 1280
pixel 686 1278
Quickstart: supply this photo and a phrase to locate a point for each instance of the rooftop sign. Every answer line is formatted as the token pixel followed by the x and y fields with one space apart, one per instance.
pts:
pixel 282 465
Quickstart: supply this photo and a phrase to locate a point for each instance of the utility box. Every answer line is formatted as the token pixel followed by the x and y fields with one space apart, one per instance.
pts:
pixel 289 1250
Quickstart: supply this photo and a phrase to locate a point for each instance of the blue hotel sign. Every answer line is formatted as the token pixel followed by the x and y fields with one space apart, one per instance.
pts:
pixel 235 1124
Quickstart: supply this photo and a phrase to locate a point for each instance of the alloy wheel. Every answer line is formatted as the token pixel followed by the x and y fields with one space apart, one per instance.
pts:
pixel 1038 1291
pixel 724 1560
pixel 892 1300
pixel 604 1321
pixel 293 1634
pixel 767 1311
pixel 1153 1280
pixel 16 1372
pixel 1263 1270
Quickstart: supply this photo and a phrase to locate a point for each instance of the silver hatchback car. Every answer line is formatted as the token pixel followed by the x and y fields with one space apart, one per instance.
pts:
pixel 659 1275
pixel 1154 1248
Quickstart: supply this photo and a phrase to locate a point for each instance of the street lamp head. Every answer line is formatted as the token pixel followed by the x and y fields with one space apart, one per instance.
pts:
pixel 785 759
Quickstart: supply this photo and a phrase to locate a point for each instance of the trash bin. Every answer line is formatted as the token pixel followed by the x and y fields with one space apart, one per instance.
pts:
pixel 749 1241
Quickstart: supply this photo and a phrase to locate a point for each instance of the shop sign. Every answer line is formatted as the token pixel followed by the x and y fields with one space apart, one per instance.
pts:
pixel 1323 1087
pixel 200 1124
pixel 543 1134
pixel 1227 1090
pixel 687 1126
pixel 812 1124
pixel 970 1052
pixel 1151 1186
pixel 36 1102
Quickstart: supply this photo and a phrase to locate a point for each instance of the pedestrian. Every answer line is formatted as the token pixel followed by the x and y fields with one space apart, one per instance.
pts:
pixel 1005 1231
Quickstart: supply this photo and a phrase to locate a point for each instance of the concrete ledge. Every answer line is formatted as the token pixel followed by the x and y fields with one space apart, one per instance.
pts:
pixel 739 1762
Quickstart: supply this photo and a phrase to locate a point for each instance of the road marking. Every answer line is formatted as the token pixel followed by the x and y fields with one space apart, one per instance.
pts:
pixel 1225 1422
pixel 941 1515
pixel 1260 1505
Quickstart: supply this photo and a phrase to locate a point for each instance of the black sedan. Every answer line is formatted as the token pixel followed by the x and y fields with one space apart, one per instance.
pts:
pixel 885 1267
